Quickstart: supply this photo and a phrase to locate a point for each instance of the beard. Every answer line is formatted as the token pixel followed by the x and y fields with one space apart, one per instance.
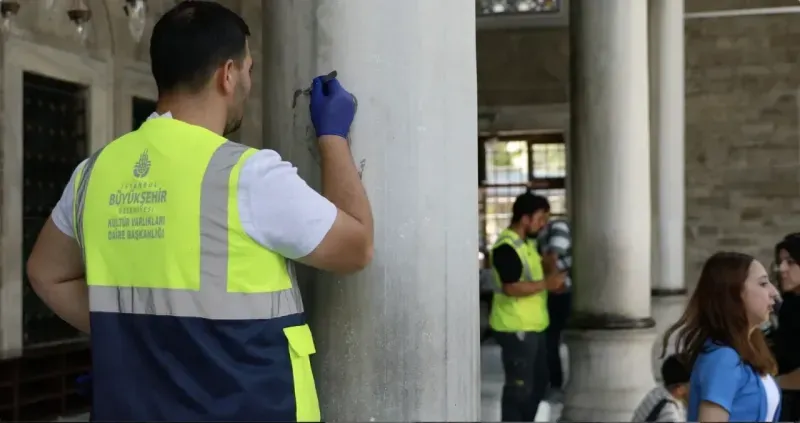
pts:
pixel 232 126
pixel 236 113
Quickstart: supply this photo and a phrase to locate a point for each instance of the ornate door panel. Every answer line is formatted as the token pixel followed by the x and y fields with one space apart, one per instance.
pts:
pixel 54 143
pixel 40 385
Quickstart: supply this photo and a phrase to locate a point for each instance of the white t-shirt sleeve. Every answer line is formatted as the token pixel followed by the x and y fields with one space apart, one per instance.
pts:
pixel 62 213
pixel 278 209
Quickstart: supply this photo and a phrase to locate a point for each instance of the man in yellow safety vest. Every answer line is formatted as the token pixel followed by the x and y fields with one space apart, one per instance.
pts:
pixel 172 245
pixel 519 310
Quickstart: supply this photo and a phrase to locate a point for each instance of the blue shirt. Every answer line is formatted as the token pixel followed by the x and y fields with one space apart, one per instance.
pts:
pixel 720 376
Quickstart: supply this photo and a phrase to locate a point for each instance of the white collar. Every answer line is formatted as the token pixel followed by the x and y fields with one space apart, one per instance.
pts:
pixel 155 115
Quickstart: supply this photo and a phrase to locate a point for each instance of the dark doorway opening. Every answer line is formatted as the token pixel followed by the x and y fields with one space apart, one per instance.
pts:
pixel 142 109
pixel 40 385
pixel 55 141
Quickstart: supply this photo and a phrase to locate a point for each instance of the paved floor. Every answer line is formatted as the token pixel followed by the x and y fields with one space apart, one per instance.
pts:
pixel 491 390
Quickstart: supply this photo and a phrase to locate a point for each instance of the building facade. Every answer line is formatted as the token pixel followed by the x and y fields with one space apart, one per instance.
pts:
pixel 399 341
pixel 741 135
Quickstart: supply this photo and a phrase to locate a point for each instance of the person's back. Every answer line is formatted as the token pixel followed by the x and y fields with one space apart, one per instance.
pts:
pixel 175 245
pixel 665 403
pixel 205 320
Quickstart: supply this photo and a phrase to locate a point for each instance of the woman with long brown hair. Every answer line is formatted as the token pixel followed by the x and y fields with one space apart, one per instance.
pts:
pixel 718 336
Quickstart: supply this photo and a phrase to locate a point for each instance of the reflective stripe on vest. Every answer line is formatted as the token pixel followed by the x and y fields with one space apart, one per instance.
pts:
pixel 519 314
pixel 166 242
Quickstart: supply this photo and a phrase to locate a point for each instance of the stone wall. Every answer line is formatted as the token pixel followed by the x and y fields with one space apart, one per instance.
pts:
pixel 742 152
pixel 523 66
pixel 742 148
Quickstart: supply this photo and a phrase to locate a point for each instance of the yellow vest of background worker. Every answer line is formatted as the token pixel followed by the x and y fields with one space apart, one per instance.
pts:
pixel 520 314
pixel 186 308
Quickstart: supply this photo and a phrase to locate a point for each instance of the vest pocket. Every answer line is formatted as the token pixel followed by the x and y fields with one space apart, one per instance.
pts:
pixel 301 346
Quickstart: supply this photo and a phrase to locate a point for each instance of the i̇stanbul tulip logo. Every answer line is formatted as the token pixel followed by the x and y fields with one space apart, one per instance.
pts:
pixel 141 167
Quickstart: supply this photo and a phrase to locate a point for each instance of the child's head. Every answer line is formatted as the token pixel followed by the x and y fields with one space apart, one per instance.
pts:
pixel 675 377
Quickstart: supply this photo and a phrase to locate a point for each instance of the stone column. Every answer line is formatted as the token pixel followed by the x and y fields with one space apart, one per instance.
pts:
pixel 667 127
pixel 398 341
pixel 611 334
pixel 251 132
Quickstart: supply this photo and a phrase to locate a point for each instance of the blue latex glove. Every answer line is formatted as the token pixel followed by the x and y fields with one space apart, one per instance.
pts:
pixel 332 108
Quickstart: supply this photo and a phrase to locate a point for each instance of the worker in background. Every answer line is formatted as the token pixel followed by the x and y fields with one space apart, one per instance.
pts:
pixel 519 311
pixel 174 245
pixel 556 238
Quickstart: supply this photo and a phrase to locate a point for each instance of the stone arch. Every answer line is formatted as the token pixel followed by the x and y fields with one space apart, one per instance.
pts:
pixel 103 22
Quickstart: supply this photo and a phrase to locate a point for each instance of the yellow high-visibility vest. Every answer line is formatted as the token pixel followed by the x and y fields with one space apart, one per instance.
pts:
pixel 190 316
pixel 520 314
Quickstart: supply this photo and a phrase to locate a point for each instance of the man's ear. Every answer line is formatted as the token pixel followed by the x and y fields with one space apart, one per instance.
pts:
pixel 227 76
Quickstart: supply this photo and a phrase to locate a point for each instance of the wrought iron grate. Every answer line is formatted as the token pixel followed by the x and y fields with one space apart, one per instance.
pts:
pixel 55 141
pixel 509 166
pixel 41 385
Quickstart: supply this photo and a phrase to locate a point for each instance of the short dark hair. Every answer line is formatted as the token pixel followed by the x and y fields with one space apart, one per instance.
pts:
pixel 191 41
pixel 674 372
pixel 528 204
pixel 790 243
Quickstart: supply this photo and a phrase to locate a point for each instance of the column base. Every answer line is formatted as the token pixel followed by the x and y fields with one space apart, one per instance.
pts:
pixel 609 373
pixel 667 306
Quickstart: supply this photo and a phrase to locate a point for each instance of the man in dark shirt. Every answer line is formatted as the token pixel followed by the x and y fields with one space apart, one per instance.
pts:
pixel 519 314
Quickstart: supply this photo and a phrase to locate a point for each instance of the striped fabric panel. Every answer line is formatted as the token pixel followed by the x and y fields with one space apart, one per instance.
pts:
pixel 671 412
pixel 560 242
pixel 555 237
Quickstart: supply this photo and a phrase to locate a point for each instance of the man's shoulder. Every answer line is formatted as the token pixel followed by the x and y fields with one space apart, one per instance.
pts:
pixel 231 144
pixel 503 248
pixel 505 254
pixel 714 353
pixel 263 163
pixel 559 226
pixel 649 402
pixel 261 155
pixel 77 171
